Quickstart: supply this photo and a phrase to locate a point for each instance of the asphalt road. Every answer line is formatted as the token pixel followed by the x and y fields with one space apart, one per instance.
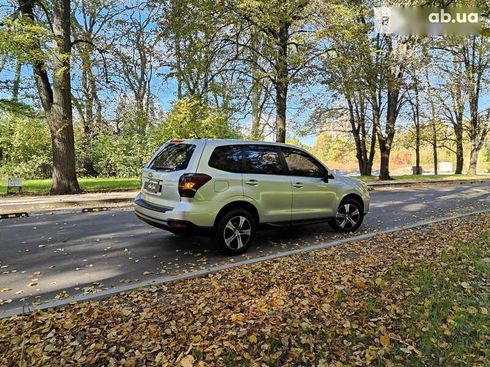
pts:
pixel 50 256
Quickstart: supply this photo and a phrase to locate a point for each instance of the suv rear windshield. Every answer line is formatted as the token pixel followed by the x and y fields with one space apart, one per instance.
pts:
pixel 174 157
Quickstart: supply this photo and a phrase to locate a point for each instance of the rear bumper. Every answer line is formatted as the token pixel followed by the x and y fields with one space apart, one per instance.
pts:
pixel 185 217
pixel 174 226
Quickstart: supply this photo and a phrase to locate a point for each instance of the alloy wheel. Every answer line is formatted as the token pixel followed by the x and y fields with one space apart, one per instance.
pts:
pixel 348 215
pixel 237 232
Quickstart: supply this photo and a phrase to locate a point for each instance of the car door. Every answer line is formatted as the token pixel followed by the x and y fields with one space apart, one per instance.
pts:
pixel 313 197
pixel 265 183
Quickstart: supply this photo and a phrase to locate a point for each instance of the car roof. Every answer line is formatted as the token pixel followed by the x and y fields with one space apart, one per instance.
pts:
pixel 216 142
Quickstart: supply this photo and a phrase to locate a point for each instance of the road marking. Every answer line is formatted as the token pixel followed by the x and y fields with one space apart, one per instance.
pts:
pixel 200 273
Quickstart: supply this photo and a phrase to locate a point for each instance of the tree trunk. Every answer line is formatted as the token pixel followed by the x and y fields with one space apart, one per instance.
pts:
pixel 56 100
pixel 358 129
pixel 416 116
pixel 60 114
pixel 282 81
pixel 434 146
pixel 474 153
pixel 256 113
pixel 372 152
pixel 458 131
pixel 384 169
pixel 418 170
pixel 16 85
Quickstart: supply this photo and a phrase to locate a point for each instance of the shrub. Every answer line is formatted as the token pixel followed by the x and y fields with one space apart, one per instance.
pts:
pixel 25 146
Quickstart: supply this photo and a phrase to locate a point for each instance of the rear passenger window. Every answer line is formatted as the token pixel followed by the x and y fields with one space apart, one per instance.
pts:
pixel 262 159
pixel 227 158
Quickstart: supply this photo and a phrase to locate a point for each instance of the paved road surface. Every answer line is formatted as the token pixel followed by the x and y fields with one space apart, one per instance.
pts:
pixel 49 256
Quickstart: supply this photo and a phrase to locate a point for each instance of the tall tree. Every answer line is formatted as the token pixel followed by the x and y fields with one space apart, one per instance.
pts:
pixel 343 72
pixel 475 52
pixel 415 107
pixel 55 95
pixel 465 79
pixel 289 45
pixel 453 101
pixel 135 60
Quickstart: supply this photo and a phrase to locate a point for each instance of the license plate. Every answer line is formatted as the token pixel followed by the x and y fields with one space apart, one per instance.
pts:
pixel 152 186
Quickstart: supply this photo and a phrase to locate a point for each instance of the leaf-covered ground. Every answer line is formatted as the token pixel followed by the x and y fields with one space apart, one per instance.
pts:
pixel 417 297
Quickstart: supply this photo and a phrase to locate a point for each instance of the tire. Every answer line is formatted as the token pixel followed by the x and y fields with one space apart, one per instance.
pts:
pixel 235 231
pixel 350 223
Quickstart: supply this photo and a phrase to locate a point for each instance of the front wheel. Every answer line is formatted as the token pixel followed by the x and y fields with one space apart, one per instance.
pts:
pixel 235 231
pixel 349 216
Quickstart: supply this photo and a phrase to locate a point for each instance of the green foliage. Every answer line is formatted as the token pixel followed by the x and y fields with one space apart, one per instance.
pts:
pixel 17 108
pixel 486 156
pixel 333 148
pixel 121 155
pixel 190 119
pixel 25 146
pixel 21 38
pixel 124 154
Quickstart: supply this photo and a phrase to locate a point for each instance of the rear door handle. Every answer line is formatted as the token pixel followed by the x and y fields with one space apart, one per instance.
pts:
pixel 298 185
pixel 252 182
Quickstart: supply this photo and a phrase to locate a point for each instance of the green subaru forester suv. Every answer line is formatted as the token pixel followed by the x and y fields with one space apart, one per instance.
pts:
pixel 230 188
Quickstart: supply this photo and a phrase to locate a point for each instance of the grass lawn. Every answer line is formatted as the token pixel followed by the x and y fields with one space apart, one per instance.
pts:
pixel 87 184
pixel 423 177
pixel 420 297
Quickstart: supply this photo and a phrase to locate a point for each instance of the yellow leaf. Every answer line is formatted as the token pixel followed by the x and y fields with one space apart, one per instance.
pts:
pixel 326 307
pixel 237 317
pixel 483 311
pixel 68 325
pixel 252 338
pixel 279 302
pixel 384 340
pixel 187 361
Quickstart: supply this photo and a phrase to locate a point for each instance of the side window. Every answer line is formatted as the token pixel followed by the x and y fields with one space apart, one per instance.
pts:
pixel 262 159
pixel 227 158
pixel 301 164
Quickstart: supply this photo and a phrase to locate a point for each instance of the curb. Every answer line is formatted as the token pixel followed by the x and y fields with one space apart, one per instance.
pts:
pixel 200 273
pixel 374 184
pixel 80 205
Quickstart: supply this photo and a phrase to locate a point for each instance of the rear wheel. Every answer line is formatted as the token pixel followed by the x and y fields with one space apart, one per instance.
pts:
pixel 349 216
pixel 235 231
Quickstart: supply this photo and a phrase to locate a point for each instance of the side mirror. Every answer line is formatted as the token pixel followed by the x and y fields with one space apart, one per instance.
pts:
pixel 327 176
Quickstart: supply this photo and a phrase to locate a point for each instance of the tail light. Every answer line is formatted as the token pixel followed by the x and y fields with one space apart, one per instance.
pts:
pixel 190 183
